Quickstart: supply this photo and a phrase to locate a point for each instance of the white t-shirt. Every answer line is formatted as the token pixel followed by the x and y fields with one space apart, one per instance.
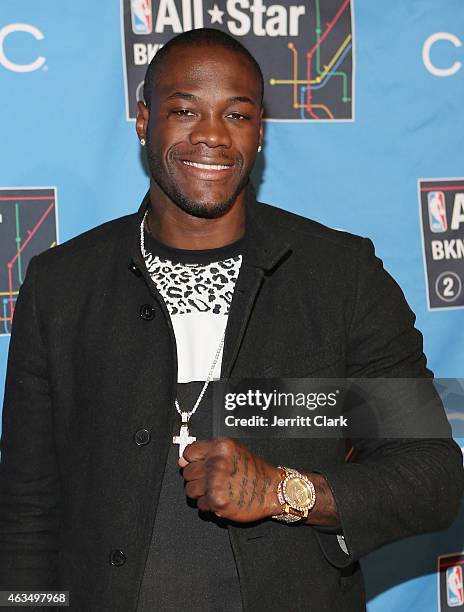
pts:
pixel 198 297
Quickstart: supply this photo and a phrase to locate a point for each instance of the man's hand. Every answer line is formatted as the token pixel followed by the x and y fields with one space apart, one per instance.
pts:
pixel 229 480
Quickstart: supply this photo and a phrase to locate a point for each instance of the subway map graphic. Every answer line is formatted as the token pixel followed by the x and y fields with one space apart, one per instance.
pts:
pixel 305 49
pixel 27 227
pixel 321 74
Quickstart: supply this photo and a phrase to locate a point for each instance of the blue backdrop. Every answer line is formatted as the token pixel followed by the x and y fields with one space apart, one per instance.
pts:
pixel 63 125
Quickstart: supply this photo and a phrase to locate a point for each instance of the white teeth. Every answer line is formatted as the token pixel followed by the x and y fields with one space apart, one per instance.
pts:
pixel 205 166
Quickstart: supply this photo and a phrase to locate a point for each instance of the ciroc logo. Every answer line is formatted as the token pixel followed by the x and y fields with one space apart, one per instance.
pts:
pixel 7 62
pixel 439 38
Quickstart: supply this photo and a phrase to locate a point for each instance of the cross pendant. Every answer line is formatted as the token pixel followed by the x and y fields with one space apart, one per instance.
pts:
pixel 183 439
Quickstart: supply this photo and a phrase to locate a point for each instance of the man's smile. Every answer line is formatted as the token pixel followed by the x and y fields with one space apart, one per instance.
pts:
pixel 207 166
pixel 207 171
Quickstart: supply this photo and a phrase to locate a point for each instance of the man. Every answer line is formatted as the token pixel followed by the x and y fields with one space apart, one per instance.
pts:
pixel 110 380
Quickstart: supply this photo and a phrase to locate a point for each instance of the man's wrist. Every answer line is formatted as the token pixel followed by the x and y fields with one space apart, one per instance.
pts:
pixel 324 512
pixel 273 504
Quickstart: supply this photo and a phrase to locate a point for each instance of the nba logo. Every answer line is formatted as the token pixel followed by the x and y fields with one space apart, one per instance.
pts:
pixel 437 211
pixel 141 16
pixel 454 586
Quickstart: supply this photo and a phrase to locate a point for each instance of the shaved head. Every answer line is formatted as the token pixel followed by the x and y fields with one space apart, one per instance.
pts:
pixel 202 37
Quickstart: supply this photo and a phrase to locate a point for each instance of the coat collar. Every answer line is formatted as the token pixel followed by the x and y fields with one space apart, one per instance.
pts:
pixel 264 247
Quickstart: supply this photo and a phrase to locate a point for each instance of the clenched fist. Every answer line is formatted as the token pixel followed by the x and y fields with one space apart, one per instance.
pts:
pixel 229 480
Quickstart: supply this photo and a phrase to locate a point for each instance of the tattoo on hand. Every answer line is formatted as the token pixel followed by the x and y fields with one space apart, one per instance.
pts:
pixel 243 492
pixel 254 481
pixel 264 490
pixel 244 483
pixel 235 462
pixel 253 492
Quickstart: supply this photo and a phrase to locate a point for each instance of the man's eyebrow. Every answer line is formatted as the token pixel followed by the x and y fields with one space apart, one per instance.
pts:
pixel 182 95
pixel 245 99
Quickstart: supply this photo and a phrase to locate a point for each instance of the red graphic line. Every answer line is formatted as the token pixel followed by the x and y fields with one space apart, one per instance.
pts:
pixel 308 89
pixel 447 188
pixel 450 563
pixel 24 244
pixel 330 25
pixel 310 54
pixel 10 288
pixel 31 233
pixel 27 198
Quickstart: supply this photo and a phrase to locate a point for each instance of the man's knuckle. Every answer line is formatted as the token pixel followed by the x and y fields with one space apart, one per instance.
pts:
pixel 221 501
pixel 224 445
pixel 221 463
pixel 203 503
pixel 189 488
pixel 187 472
pixel 217 463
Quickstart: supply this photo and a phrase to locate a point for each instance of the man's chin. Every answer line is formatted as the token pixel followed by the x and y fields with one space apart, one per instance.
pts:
pixel 202 205
pixel 204 210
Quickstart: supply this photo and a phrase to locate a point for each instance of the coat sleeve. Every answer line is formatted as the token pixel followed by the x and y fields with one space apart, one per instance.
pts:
pixel 29 483
pixel 395 487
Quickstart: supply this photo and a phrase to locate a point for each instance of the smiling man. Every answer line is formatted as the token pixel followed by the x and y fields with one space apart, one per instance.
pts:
pixel 201 139
pixel 112 485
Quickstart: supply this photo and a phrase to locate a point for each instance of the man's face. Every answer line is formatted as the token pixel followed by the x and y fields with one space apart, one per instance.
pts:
pixel 203 128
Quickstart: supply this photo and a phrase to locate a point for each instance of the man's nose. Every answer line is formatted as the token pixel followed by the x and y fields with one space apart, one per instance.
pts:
pixel 212 132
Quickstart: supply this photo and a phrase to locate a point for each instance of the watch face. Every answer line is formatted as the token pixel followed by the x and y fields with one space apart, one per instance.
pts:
pixel 298 493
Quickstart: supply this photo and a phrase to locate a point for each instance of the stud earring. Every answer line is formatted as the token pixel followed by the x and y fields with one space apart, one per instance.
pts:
pixel 143 142
pixel 260 148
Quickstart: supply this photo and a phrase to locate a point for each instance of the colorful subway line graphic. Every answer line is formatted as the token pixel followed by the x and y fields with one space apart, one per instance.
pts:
pixel 28 226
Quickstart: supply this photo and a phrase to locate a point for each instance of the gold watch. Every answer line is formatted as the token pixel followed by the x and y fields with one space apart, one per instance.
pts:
pixel 297 495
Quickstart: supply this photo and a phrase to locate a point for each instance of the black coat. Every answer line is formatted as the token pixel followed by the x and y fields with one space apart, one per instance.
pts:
pixel 90 365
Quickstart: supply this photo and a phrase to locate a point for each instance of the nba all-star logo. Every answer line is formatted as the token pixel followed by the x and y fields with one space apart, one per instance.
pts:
pixel 304 47
pixel 442 214
pixel 450 582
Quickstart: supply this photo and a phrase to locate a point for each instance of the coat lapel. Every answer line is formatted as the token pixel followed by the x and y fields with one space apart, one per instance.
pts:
pixel 264 251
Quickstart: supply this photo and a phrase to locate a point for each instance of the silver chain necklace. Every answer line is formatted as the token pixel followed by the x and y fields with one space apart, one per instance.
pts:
pixel 184 438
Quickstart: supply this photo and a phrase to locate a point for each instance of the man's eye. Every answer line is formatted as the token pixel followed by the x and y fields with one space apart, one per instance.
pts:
pixel 183 112
pixel 238 116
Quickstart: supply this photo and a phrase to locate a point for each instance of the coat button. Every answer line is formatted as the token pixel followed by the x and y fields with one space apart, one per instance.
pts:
pixel 142 437
pixel 147 312
pixel 133 268
pixel 117 558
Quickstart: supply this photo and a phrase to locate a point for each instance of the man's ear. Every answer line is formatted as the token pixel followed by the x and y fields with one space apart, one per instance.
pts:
pixel 141 123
